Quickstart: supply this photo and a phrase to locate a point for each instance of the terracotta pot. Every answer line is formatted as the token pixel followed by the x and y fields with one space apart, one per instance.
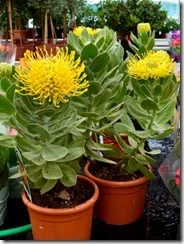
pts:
pixel 119 203
pixel 108 140
pixel 62 224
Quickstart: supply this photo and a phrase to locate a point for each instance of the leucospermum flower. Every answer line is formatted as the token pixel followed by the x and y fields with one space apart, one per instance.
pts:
pixel 154 65
pixel 78 30
pixel 143 27
pixel 51 78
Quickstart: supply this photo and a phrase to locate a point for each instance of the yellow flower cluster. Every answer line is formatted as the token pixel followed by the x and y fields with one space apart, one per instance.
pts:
pixel 143 27
pixel 78 30
pixel 51 78
pixel 154 65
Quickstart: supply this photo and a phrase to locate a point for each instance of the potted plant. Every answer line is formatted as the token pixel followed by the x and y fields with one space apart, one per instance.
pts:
pixel 170 24
pixel 150 99
pixel 36 101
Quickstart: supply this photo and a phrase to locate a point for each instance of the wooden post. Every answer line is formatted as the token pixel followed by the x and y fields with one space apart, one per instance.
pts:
pixel 52 29
pixel 46 27
pixel 10 19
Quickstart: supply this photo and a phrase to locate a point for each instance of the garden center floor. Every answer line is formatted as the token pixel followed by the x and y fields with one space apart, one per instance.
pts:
pixel 161 219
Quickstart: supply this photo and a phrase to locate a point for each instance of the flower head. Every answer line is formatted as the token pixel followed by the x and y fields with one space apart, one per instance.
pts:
pixel 154 65
pixel 78 30
pixel 51 78
pixel 5 69
pixel 143 27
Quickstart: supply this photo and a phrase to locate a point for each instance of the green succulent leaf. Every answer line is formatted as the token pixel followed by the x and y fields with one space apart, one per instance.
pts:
pixel 27 145
pixel 48 186
pixel 6 107
pixel 69 176
pixel 35 157
pixel 5 84
pixel 149 104
pixel 51 171
pixel 166 113
pixel 73 153
pixel 53 152
pixel 36 129
pixel 89 51
pixel 123 145
pixel 7 141
pixel 157 90
pixel 98 146
pixel 146 172
pixel 10 93
pixel 138 88
pixel 168 91
pixel 74 165
pixel 132 165
pixel 154 152
pixel 99 62
pixel 94 87
pixel 96 155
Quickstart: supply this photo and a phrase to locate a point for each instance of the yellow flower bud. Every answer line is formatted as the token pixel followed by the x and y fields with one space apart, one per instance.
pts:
pixel 5 69
pixel 143 27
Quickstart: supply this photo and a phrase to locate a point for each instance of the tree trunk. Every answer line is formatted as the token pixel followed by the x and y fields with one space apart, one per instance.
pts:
pixel 52 29
pixel 64 23
pixel 46 27
pixel 10 19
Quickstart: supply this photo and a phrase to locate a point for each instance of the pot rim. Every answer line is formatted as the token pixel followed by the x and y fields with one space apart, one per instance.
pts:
pixel 65 211
pixel 116 184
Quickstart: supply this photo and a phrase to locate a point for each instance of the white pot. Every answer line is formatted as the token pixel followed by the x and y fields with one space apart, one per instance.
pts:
pixel 3 203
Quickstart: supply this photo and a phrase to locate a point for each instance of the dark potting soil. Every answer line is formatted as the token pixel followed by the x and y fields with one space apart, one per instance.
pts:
pixel 63 197
pixel 111 172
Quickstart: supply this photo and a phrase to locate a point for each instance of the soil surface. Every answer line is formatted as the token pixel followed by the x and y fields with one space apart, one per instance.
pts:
pixel 110 172
pixel 64 197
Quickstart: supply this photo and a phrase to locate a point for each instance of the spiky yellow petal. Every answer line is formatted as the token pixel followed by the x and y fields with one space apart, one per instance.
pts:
pixel 154 65
pixel 78 30
pixel 51 78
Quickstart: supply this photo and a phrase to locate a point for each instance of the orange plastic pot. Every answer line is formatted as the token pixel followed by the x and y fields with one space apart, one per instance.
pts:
pixel 119 203
pixel 62 224
pixel 108 140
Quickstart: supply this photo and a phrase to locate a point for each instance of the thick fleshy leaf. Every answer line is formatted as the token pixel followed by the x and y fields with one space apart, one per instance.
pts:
pixel 51 171
pixel 99 62
pixel 69 176
pixel 7 141
pixel 132 165
pixel 73 153
pixel 10 93
pixel 53 152
pixel 6 107
pixel 48 186
pixel 35 157
pixel 74 165
pixel 149 104
pixel 89 51
pixel 5 83
pixel 94 87
pixel 146 172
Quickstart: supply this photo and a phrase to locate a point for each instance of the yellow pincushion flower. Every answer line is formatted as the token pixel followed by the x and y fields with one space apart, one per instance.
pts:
pixel 154 65
pixel 78 30
pixel 51 78
pixel 143 27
